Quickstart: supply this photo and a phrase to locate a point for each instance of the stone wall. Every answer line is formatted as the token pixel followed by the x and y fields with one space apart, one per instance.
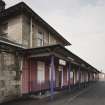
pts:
pixel 9 83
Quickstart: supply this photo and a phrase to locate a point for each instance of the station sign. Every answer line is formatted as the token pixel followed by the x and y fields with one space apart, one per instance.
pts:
pixel 62 62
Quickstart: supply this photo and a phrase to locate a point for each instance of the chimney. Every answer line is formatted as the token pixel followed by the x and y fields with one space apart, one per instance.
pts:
pixel 2 5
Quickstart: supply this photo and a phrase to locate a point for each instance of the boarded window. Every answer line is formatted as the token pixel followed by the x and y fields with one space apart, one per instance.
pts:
pixel 40 72
pixel 71 75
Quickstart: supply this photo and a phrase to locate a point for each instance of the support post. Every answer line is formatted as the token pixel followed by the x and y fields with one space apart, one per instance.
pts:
pixel 29 71
pixel 79 76
pixel 52 82
pixel 69 69
pixel 31 32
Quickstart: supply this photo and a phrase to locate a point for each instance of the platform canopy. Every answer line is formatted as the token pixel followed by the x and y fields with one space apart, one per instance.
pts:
pixel 58 51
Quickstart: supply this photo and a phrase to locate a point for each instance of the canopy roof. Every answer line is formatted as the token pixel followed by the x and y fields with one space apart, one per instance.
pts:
pixel 58 51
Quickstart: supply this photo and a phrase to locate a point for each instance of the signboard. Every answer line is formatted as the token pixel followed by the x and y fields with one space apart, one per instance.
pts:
pixel 62 62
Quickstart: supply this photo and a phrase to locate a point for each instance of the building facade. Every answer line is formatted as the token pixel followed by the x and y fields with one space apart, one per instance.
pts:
pixel 33 57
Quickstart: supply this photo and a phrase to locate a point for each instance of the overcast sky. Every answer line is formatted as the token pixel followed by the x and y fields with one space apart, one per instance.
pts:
pixel 81 22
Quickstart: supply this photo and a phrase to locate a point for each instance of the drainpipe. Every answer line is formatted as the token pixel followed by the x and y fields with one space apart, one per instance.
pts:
pixel 21 70
pixel 79 76
pixel 31 32
pixel 69 69
pixel 29 71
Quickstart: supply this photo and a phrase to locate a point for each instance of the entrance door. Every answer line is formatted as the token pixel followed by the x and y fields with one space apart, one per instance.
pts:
pixel 59 77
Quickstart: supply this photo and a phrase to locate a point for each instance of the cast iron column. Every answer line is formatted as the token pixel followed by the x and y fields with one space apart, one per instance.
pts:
pixel 79 76
pixel 52 82
pixel 69 69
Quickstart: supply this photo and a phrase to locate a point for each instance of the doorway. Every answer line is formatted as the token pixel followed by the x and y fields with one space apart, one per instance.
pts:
pixel 59 77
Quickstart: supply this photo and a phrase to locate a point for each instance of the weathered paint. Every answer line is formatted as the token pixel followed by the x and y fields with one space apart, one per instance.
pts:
pixel 69 77
pixel 33 76
pixel 29 76
pixel 25 77
pixel 47 81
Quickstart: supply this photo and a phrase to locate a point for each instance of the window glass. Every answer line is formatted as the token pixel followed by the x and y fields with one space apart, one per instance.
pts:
pixel 46 39
pixel 40 38
pixel 40 35
pixel 39 42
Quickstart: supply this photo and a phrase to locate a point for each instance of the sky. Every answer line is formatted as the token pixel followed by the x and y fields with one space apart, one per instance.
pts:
pixel 81 22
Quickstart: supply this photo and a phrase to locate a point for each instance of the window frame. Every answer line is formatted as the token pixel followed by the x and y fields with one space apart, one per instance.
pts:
pixel 40 37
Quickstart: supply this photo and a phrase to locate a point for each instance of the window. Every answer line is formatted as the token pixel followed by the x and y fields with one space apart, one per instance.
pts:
pixel 3 30
pixel 39 42
pixel 46 39
pixel 60 68
pixel 40 38
pixel 40 72
pixel 52 39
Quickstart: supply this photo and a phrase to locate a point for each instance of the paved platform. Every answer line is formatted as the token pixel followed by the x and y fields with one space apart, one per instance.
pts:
pixel 93 95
